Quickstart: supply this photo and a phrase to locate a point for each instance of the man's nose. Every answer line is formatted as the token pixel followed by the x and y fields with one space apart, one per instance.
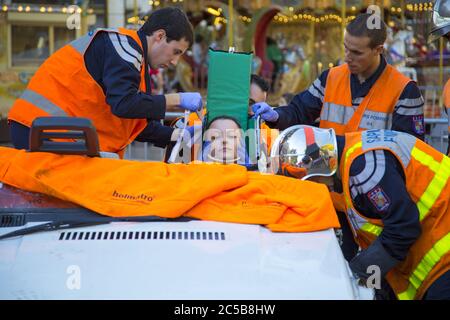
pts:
pixel 174 61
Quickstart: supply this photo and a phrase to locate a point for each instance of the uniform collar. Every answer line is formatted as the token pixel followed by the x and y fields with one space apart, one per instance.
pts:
pixel 362 89
pixel 143 39
pixel 374 77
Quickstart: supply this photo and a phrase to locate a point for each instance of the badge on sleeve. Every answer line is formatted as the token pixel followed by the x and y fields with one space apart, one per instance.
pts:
pixel 418 124
pixel 379 199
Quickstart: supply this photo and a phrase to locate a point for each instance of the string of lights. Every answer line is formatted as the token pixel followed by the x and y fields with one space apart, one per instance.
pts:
pixel 279 18
pixel 43 9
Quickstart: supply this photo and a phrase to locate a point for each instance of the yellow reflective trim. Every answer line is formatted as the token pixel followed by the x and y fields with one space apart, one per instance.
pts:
pixel 352 149
pixel 441 175
pixel 371 228
pixel 347 155
pixel 425 266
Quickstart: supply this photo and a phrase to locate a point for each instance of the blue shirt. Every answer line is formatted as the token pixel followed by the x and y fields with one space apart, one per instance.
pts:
pixel 306 106
pixel 116 68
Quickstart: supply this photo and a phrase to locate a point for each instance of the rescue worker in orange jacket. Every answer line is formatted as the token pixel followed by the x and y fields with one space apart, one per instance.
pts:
pixel 364 93
pixel 104 76
pixel 397 199
pixel 441 28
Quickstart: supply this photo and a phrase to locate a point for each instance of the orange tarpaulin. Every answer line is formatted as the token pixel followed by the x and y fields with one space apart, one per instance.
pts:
pixel 217 192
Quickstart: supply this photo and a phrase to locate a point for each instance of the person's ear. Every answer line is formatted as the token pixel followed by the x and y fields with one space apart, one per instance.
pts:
pixel 160 34
pixel 379 50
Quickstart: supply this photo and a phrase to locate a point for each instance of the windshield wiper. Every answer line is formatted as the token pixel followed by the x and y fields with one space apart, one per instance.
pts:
pixel 50 226
pixel 60 225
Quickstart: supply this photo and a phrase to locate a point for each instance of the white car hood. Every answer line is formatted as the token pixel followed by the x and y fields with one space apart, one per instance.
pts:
pixel 175 260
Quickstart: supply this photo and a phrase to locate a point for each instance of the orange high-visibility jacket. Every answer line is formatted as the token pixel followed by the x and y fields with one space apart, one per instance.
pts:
pixel 206 191
pixel 62 86
pixel 447 105
pixel 427 173
pixel 374 112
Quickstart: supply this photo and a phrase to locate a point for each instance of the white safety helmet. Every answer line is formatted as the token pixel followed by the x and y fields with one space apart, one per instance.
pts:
pixel 303 151
pixel 441 20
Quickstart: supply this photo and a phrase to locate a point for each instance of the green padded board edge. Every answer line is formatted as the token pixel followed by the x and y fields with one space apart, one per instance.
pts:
pixel 228 85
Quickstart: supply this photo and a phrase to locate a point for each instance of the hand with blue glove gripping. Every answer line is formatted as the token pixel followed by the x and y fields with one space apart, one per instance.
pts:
pixel 191 101
pixel 265 111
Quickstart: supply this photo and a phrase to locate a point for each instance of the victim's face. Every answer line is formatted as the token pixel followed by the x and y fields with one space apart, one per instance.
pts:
pixel 225 137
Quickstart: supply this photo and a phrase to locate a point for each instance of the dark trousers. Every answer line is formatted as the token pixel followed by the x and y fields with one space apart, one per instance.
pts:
pixel 20 135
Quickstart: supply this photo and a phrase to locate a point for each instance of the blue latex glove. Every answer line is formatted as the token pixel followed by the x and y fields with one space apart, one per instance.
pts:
pixel 265 111
pixel 191 101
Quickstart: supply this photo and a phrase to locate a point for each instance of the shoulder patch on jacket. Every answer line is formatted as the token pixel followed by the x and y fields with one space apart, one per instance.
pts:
pixel 379 199
pixel 418 124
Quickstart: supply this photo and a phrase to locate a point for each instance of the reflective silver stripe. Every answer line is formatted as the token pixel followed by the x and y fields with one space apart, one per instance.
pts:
pixel 125 56
pixel 42 103
pixel 417 102
pixel 375 120
pixel 370 178
pixel 318 85
pixel 315 93
pixel 81 44
pixel 409 111
pixel 336 113
pixel 357 101
pixel 356 220
pixel 364 175
pixel 400 143
pixel 129 49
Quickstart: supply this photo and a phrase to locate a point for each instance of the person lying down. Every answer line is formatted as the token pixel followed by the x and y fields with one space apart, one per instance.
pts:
pixel 224 142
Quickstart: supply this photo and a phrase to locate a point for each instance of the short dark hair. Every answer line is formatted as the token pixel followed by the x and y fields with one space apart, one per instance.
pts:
pixel 173 21
pixel 360 27
pixel 260 82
